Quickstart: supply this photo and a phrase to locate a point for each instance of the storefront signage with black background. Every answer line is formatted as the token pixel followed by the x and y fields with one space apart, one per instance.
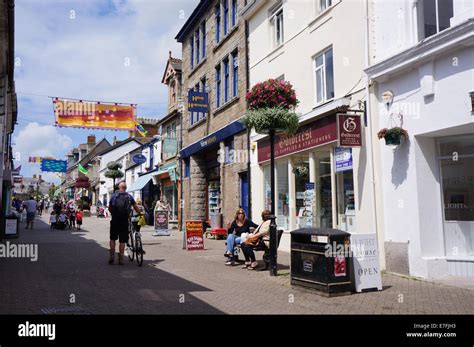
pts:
pixel 349 130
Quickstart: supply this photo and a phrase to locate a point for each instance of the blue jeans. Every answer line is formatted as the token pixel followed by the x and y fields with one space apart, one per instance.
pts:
pixel 232 240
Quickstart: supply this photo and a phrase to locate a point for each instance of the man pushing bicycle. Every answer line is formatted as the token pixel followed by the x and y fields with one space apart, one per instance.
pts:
pixel 120 207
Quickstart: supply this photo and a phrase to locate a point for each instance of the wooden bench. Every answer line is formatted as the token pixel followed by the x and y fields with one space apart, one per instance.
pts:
pixel 263 247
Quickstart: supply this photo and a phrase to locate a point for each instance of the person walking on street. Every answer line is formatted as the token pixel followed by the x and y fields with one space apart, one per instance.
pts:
pixel 31 206
pixel 136 216
pixel 119 207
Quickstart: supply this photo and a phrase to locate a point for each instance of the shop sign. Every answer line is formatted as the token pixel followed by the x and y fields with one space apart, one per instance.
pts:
pixel 170 146
pixel 198 101
pixel 161 220
pixel 311 135
pixel 365 256
pixel 194 235
pixel 343 157
pixel 349 130
pixel 11 227
pixel 139 159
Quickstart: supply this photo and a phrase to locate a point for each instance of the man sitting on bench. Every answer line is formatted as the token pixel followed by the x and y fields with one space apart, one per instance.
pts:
pixel 255 240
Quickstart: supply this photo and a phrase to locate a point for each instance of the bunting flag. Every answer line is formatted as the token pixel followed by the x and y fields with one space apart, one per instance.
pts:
pixel 82 169
pixel 48 165
pixel 35 160
pixel 141 130
pixel 94 115
pixel 16 172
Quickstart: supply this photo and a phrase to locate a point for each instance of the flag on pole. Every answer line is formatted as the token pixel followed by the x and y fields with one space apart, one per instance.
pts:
pixel 141 130
pixel 17 171
pixel 82 169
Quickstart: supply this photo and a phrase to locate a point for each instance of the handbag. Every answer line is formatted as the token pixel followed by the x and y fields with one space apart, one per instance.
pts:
pixel 252 241
pixel 141 220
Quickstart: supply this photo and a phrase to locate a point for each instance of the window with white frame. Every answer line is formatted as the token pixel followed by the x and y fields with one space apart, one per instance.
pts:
pixel 434 16
pixel 324 4
pixel 324 74
pixel 276 22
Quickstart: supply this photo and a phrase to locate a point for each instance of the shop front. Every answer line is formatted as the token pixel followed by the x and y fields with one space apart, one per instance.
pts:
pixel 167 179
pixel 205 179
pixel 314 178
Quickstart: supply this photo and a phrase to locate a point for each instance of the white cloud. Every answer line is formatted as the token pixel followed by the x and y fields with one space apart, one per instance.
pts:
pixel 40 140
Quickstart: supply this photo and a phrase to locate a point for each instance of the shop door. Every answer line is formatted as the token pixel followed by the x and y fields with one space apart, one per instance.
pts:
pixel 457 175
pixel 244 192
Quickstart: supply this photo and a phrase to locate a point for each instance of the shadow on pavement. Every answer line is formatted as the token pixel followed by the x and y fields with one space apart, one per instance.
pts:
pixel 72 270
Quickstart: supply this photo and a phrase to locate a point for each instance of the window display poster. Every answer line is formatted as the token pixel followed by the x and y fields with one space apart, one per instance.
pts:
pixel 309 204
pixel 343 157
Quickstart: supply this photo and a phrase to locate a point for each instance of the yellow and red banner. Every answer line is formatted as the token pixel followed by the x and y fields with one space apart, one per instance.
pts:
pixel 95 115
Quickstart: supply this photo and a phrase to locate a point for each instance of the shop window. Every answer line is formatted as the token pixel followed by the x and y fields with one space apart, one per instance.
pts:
pixel 324 5
pixel 218 86
pixel 283 199
pixel 457 175
pixel 187 167
pixel 226 80
pixel 198 45
pixel 203 33
pixel 235 74
pixel 191 52
pixel 234 13
pixel 267 188
pixel 225 6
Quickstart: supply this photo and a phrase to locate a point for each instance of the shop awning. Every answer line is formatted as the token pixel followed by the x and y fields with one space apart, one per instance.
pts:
pixel 141 182
pixel 168 170
pixel 214 138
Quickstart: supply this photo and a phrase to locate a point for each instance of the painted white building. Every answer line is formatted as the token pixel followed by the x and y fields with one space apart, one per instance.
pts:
pixel 320 47
pixel 118 153
pixel 424 57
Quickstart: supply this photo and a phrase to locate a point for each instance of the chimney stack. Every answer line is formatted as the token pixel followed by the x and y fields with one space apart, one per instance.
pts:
pixel 91 140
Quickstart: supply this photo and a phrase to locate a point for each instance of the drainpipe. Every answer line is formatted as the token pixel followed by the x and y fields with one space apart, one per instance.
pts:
pixel 247 82
pixel 370 147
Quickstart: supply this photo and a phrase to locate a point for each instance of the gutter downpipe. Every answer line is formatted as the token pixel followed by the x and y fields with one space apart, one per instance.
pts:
pixel 371 145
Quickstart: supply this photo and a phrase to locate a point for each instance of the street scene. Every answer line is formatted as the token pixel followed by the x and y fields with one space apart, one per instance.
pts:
pixel 231 157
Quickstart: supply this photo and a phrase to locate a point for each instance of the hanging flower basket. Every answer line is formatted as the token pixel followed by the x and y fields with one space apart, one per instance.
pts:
pixel 271 104
pixel 393 136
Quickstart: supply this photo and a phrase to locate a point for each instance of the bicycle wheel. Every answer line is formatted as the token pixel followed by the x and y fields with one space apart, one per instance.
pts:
pixel 139 249
pixel 131 248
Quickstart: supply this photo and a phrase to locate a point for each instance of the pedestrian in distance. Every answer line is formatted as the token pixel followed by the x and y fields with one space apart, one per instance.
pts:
pixel 30 206
pixel 79 216
pixel 53 220
pixel 120 206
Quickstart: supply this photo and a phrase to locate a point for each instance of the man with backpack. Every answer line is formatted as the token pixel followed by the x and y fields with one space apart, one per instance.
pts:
pixel 120 207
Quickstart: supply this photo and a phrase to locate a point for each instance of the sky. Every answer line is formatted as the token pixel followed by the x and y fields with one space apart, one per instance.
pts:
pixel 104 50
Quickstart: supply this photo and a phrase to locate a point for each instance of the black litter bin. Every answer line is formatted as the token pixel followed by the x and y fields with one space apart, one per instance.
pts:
pixel 320 260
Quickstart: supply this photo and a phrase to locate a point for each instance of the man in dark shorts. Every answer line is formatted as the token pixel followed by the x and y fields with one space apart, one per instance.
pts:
pixel 119 206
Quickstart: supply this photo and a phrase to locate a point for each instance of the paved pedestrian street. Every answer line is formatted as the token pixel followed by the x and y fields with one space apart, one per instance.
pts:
pixel 72 276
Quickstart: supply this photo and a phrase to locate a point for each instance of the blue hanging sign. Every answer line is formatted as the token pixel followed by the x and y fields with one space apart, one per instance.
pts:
pixel 139 159
pixel 343 157
pixel 49 165
pixel 198 101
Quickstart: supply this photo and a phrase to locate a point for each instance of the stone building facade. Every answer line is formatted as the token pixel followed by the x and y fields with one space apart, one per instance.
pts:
pixel 215 143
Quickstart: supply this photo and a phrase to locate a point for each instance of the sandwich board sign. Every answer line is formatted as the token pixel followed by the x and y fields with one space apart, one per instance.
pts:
pixel 365 255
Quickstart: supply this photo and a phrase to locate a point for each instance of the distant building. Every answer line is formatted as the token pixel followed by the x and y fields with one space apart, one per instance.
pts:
pixel 8 105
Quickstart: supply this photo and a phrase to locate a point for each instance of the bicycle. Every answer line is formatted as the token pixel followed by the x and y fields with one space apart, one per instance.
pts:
pixel 135 246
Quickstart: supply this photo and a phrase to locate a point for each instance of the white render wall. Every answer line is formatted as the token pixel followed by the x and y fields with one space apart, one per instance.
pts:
pixel 306 34
pixel 433 96
pixel 117 154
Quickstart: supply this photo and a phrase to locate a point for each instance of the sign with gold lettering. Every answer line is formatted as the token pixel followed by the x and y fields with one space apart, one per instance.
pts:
pixel 349 130
pixel 198 101
pixel 311 135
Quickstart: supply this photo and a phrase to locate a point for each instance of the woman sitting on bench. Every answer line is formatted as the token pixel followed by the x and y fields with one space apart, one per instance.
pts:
pixel 239 226
pixel 255 239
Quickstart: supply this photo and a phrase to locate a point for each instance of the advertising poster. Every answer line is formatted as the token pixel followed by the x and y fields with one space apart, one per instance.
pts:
pixel 194 235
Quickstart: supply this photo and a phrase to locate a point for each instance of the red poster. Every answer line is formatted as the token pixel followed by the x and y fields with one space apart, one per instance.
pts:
pixel 349 130
pixel 194 235
pixel 339 266
pixel 311 135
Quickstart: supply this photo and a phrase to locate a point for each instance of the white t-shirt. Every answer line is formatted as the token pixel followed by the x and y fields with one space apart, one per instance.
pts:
pixel 52 218
pixel 62 217
pixel 31 206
